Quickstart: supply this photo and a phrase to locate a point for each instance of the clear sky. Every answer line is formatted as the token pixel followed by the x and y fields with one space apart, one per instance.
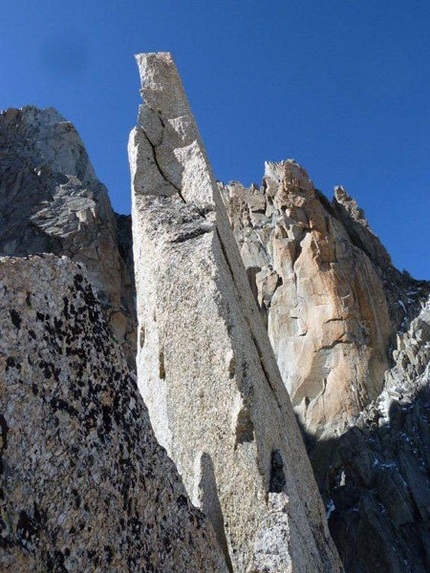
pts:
pixel 342 86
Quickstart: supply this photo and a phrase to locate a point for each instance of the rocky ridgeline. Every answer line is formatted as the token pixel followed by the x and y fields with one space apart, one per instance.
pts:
pixel 352 341
pixel 52 202
pixel 84 484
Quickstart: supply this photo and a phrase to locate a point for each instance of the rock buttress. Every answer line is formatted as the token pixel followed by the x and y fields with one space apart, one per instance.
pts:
pixel 52 202
pixel 205 366
pixel 336 309
pixel 85 486
pixel 321 296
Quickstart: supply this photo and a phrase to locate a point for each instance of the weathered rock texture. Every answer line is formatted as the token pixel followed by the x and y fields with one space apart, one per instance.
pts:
pixel 378 480
pixel 84 484
pixel 353 355
pixel 327 314
pixel 51 201
pixel 405 295
pixel 205 366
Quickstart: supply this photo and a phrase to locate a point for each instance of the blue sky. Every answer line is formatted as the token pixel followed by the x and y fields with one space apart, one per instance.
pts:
pixel 342 86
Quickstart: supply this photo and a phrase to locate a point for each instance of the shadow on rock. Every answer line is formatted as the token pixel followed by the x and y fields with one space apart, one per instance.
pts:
pixel 375 482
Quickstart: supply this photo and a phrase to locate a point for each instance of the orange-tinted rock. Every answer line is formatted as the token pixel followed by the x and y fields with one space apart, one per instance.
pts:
pixel 327 314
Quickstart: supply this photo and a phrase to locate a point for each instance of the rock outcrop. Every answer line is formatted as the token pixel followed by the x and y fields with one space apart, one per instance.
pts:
pixel 351 336
pixel 84 484
pixel 320 294
pixel 52 202
pixel 205 366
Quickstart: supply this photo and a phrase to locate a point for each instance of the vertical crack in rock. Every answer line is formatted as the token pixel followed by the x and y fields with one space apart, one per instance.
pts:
pixel 216 352
pixel 159 167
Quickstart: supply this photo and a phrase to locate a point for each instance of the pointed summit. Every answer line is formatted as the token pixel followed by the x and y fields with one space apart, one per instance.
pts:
pixel 205 366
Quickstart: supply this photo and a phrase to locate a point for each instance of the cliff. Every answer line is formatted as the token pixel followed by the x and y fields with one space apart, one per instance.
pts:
pixel 327 314
pixel 270 319
pixel 351 338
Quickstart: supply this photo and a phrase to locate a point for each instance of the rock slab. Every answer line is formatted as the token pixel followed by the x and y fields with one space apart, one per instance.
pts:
pixel 85 485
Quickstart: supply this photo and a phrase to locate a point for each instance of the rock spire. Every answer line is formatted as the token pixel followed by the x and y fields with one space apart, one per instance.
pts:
pixel 205 366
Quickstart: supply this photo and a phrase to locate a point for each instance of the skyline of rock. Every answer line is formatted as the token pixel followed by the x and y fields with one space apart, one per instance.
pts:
pixel 350 333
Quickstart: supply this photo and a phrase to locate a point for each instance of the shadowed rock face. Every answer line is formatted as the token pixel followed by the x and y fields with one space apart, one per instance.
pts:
pixel 51 201
pixel 322 297
pixel 205 366
pixel 85 486
pixel 377 481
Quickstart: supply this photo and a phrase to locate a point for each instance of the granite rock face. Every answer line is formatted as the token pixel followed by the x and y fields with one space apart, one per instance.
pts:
pixel 85 486
pixel 205 366
pixel 351 336
pixel 321 296
pixel 51 201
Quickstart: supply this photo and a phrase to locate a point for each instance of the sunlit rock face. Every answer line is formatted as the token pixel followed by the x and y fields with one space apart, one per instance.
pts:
pixel 52 202
pixel 85 486
pixel 351 336
pixel 321 296
pixel 205 366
